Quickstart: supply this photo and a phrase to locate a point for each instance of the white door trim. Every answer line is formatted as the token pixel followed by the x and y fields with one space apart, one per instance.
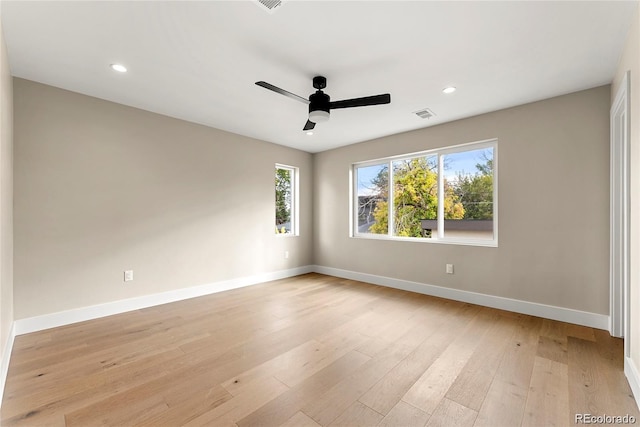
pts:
pixel 619 209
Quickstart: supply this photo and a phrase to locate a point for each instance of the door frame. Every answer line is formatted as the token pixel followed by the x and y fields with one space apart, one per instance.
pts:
pixel 619 213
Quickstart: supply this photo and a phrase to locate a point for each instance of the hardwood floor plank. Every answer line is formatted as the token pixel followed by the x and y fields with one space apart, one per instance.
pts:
pixel 200 386
pixel 338 398
pixel 409 324
pixel 517 364
pixel 506 397
pixel 470 387
pixel 582 332
pixel 547 401
pixel 553 349
pixel 300 420
pixel 610 349
pixel 452 414
pixel 387 392
pixel 29 342
pixel 297 356
pixel 503 405
pixel 296 365
pixel 120 414
pixel 404 414
pixel 358 415
pixel 597 385
pixel 553 329
pixel 280 409
pixel 588 390
pixel 188 407
pixel 610 355
pixel 243 404
pixel 429 390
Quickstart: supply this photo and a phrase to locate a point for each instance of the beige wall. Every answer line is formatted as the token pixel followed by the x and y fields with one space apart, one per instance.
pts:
pixel 553 177
pixel 6 196
pixel 101 188
pixel 630 61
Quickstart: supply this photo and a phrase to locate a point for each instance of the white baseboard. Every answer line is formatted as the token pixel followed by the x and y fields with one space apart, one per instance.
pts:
pixel 593 320
pixel 47 321
pixel 633 376
pixel 6 358
pixel 38 323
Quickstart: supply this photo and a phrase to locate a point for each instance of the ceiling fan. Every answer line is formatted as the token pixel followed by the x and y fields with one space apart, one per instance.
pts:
pixel 320 104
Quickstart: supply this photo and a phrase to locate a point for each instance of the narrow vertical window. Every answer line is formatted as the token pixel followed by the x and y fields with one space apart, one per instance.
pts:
pixel 286 200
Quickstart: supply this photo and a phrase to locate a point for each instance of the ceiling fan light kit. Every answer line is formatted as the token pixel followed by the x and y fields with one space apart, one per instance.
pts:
pixel 318 116
pixel 320 103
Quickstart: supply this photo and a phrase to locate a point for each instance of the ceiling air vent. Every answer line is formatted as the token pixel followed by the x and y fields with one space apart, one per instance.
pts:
pixel 269 5
pixel 425 113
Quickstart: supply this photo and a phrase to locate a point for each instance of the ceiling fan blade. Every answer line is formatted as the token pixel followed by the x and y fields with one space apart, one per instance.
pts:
pixel 282 91
pixel 361 102
pixel 310 125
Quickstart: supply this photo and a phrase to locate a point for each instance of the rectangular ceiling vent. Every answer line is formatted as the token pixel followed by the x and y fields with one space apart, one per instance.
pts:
pixel 269 5
pixel 425 113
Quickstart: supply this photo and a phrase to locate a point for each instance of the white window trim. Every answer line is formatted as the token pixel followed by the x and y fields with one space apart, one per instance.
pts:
pixel 295 205
pixel 440 238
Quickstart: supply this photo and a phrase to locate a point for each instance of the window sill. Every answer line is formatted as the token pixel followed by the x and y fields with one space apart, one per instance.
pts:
pixel 482 243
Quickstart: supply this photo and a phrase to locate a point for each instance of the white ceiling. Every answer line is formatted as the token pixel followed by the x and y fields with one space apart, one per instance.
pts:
pixel 198 61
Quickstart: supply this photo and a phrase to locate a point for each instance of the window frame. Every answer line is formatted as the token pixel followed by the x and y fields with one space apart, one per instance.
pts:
pixel 295 204
pixel 440 153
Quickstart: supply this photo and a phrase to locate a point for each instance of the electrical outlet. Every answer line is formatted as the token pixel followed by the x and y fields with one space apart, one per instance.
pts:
pixel 286 254
pixel 128 275
pixel 449 268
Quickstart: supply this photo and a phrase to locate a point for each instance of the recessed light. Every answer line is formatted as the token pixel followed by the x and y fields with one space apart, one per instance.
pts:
pixel 449 89
pixel 119 68
pixel 309 132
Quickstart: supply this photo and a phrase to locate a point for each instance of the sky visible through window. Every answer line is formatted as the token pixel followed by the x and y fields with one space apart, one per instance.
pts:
pixel 365 176
pixel 463 163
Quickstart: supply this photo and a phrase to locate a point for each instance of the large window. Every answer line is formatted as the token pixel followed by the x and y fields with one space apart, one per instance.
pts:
pixel 445 195
pixel 286 200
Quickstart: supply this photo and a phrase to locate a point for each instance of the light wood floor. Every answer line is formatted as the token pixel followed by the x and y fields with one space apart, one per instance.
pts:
pixel 315 350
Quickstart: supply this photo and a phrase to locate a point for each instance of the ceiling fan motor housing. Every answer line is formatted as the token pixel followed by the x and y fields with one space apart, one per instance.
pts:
pixel 319 104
